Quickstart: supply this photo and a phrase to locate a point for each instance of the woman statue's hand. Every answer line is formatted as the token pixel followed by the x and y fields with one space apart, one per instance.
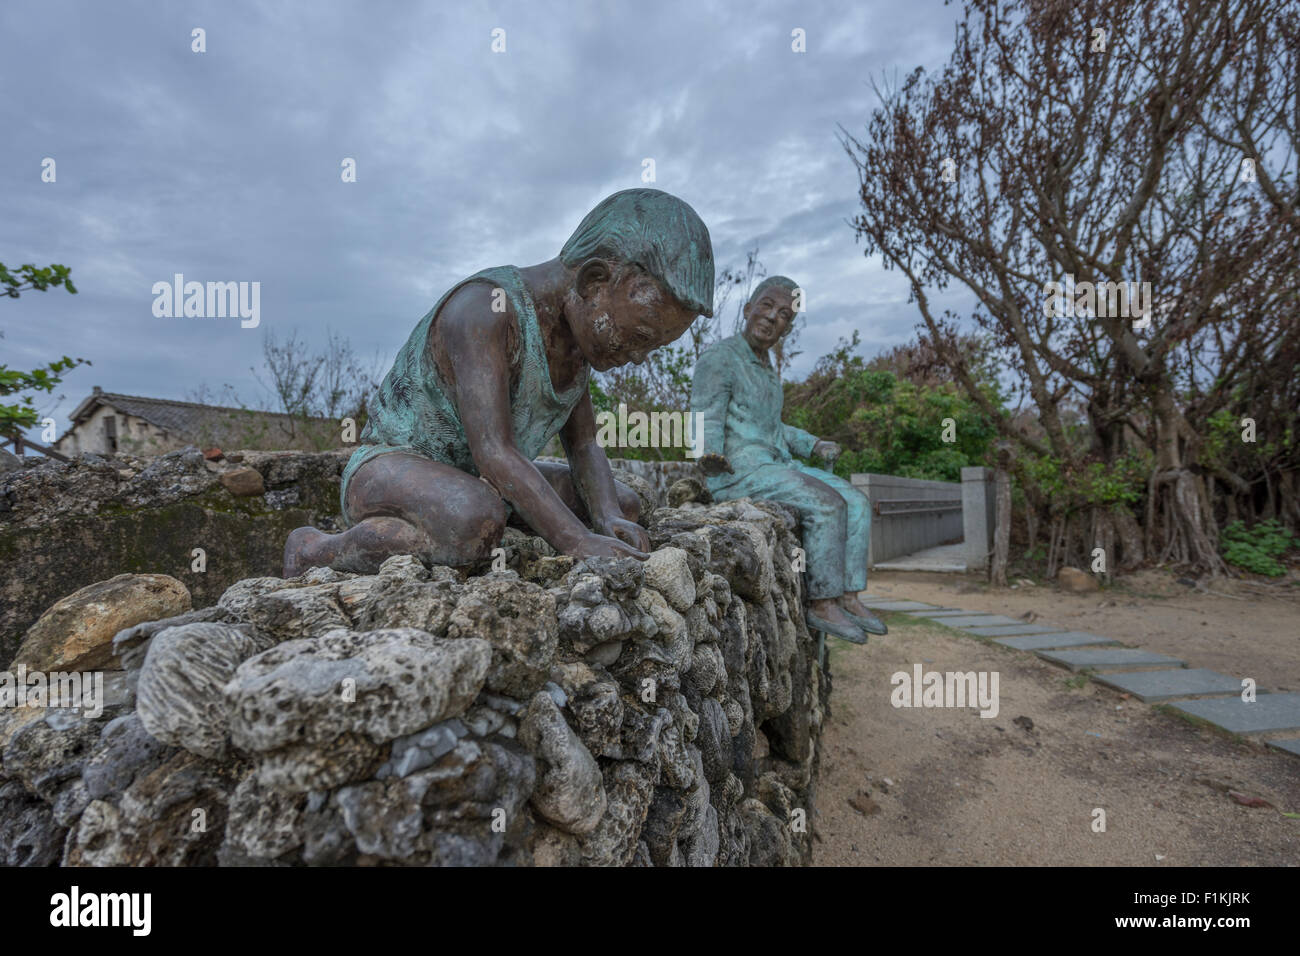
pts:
pixel 828 450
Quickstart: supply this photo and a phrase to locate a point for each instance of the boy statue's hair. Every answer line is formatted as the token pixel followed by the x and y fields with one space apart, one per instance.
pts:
pixel 656 231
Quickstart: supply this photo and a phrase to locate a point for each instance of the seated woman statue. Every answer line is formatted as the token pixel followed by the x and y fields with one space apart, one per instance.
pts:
pixel 492 373
pixel 748 453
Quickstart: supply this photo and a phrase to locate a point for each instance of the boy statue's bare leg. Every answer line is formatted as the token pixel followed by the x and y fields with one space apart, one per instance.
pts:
pixel 405 504
pixel 560 477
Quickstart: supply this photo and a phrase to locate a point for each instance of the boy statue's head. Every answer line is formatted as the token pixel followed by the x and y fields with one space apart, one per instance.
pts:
pixel 642 266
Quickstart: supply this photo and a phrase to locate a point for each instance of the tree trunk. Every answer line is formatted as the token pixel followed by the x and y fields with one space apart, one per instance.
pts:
pixel 1286 485
pixel 1054 546
pixel 1190 530
pixel 1070 552
pixel 1187 540
pixel 1002 530
pixel 1103 536
pixel 1132 552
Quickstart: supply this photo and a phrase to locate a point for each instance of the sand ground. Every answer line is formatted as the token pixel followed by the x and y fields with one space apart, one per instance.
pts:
pixel 1233 631
pixel 944 786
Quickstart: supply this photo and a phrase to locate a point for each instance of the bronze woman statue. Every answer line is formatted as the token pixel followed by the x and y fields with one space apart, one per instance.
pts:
pixel 748 451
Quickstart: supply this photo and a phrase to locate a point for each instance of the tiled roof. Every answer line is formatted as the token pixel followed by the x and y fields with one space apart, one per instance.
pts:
pixel 205 424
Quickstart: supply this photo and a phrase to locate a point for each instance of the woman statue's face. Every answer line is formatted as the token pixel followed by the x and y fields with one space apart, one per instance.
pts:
pixel 768 317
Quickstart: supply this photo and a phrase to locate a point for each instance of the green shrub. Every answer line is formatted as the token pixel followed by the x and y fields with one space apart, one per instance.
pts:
pixel 887 424
pixel 1257 549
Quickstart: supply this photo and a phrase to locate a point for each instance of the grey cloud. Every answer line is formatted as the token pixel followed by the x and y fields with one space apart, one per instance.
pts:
pixel 225 165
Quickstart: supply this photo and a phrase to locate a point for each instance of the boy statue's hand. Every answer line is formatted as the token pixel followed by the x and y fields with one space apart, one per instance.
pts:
pixel 592 545
pixel 629 532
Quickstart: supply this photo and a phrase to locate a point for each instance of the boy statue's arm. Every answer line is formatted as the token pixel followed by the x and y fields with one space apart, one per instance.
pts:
pixel 475 343
pixel 593 480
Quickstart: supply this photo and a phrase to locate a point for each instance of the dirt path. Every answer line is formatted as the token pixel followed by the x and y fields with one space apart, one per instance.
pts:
pixel 1241 634
pixel 967 790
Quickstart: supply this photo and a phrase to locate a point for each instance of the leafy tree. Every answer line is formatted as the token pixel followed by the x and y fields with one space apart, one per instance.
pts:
pixel 23 414
pixel 887 423
pixel 1145 142
pixel 29 277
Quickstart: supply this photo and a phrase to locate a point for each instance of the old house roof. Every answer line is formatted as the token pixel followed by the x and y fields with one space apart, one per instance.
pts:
pixel 205 424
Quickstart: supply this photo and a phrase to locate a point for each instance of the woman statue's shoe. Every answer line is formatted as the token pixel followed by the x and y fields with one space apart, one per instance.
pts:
pixel 869 622
pixel 847 632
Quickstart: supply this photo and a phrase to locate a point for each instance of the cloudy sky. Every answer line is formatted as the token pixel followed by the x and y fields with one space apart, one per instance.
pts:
pixel 225 165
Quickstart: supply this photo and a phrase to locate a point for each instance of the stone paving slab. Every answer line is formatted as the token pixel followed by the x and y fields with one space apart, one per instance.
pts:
pixel 1267 712
pixel 1165 685
pixel 1110 658
pixel 899 606
pixel 1146 675
pixel 978 620
pixel 1042 642
pixel 1011 630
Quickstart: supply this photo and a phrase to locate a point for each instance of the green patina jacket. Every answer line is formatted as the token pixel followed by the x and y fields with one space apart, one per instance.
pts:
pixel 740 398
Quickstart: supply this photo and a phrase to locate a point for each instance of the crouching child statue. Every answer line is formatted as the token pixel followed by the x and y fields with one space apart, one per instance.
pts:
pixel 495 370
pixel 748 452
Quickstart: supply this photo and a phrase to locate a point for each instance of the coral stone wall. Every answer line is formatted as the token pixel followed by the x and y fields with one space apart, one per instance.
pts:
pixel 561 712
pixel 67 525
pixel 64 526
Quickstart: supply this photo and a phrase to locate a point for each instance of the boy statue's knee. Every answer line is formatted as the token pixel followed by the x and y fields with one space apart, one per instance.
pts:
pixel 489 531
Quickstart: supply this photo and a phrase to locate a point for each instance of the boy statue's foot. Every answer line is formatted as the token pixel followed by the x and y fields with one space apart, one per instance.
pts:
pixel 301 551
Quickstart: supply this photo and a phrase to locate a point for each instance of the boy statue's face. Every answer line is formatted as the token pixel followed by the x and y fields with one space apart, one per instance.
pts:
pixel 623 316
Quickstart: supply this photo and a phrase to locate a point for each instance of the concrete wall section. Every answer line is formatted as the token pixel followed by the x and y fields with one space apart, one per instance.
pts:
pixel 910 514
pixel 978 515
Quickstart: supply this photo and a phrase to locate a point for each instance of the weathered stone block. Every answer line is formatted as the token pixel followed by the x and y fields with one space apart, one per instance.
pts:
pixel 76 634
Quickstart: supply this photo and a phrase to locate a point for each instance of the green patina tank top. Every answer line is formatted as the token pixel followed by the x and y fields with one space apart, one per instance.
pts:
pixel 414 409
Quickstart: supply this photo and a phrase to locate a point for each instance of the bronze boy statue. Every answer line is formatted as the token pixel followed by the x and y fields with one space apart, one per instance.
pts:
pixel 496 369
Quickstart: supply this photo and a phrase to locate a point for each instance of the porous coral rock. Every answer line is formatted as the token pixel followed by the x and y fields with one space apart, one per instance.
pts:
pixel 569 792
pixel 563 712
pixel 179 693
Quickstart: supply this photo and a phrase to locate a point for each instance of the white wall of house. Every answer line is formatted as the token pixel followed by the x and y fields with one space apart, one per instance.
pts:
pixel 133 435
